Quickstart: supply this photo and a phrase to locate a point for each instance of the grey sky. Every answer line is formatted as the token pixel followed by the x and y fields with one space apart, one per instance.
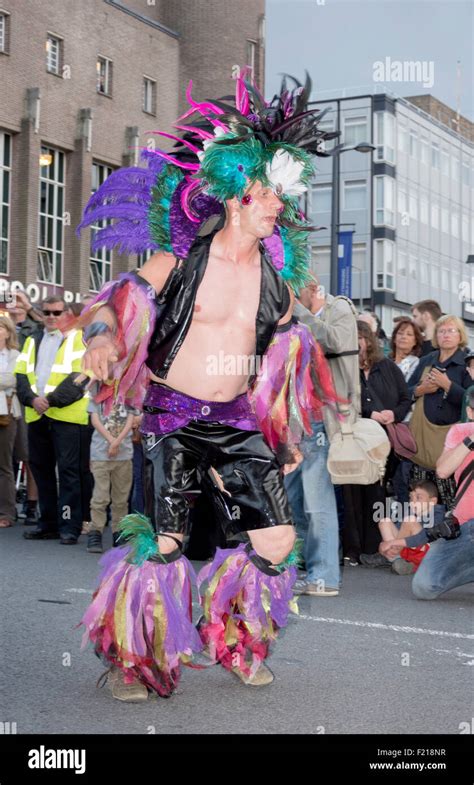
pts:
pixel 338 42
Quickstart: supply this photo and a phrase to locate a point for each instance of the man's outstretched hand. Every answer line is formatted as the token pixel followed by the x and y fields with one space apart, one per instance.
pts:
pixel 99 356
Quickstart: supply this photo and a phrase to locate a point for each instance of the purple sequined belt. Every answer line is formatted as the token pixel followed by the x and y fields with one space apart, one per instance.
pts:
pixel 165 410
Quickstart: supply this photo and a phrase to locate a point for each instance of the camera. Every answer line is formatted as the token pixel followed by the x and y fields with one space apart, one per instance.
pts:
pixel 448 529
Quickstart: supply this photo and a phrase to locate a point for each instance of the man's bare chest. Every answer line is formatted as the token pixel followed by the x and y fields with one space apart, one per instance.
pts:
pixel 228 293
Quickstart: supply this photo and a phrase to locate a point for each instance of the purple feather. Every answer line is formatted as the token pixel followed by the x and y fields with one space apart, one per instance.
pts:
pixel 274 246
pixel 183 231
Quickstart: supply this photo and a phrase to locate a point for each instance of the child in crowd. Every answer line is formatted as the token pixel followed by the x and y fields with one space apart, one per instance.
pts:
pixel 424 512
pixel 111 464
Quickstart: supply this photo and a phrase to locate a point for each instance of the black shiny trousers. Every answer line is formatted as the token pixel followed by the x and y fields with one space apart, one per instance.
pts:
pixel 249 495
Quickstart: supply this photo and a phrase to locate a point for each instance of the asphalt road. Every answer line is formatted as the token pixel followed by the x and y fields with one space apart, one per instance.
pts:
pixel 373 660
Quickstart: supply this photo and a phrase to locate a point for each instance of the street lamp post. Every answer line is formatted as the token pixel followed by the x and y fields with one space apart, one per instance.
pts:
pixel 363 147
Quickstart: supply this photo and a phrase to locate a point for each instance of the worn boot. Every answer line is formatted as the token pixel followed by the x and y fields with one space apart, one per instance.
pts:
pixel 94 542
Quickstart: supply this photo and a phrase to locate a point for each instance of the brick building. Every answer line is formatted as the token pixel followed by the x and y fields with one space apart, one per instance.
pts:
pixel 80 85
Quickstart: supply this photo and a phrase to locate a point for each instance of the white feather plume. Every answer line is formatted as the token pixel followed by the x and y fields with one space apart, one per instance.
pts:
pixel 283 174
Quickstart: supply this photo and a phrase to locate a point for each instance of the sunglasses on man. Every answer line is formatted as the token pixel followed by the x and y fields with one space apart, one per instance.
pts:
pixel 47 312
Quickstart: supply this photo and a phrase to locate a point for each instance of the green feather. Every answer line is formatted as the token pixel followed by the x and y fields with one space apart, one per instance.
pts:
pixel 136 530
pixel 295 558
pixel 159 210
pixel 220 166
pixel 295 247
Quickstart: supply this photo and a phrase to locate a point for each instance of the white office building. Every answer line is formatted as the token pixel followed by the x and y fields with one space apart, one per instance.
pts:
pixel 410 203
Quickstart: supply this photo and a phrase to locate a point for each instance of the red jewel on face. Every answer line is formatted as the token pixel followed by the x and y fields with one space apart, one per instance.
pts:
pixel 246 199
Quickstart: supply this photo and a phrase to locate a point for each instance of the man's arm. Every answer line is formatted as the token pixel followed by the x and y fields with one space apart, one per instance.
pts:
pixel 451 459
pixel 102 351
pixel 335 334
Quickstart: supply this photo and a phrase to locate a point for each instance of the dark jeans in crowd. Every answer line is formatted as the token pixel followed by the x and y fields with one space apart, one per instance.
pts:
pixel 361 532
pixel 53 443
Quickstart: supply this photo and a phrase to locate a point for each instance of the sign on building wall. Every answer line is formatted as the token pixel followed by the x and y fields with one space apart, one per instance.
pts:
pixel 344 263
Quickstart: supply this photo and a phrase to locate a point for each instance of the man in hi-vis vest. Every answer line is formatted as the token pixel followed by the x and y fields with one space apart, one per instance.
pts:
pixel 56 412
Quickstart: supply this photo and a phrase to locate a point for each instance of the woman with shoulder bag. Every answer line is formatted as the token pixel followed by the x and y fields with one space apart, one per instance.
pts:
pixel 10 411
pixel 385 399
pixel 438 385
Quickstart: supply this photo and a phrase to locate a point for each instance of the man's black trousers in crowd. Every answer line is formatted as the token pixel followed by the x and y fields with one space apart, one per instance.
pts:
pixel 51 443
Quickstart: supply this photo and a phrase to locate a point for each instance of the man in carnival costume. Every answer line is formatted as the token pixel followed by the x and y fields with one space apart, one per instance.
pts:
pixel 162 338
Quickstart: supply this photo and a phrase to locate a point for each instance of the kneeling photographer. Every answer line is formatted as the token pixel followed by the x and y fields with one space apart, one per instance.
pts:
pixel 450 560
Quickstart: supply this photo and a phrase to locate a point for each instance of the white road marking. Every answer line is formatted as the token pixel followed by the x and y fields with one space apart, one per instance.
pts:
pixel 81 591
pixel 393 627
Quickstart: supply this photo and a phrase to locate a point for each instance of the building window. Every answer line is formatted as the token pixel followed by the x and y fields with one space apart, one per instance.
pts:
pixel 54 47
pixel 435 156
pixel 465 228
pixel 402 139
pixel 321 259
pixel 104 76
pixel 149 95
pixel 424 271
pixel 402 201
pixel 402 264
pixel 444 279
pixel 51 216
pixel 328 127
pixel 424 209
pixel 413 144
pixel 412 268
pixel 424 150
pixel 454 277
pixel 355 195
pixel 385 136
pixel 5 175
pixel 321 198
pixel 384 201
pixel 100 263
pixel 435 216
pixel 465 173
pixel 355 130
pixel 445 162
pixel 445 220
pixel 252 58
pixel 434 276
pixel 413 206
pixel 456 168
pixel 384 273
pixel 454 225
pixel 4 32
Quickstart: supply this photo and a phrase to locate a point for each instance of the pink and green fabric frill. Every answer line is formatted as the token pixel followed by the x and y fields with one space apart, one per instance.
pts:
pixel 243 609
pixel 133 305
pixel 293 385
pixel 140 619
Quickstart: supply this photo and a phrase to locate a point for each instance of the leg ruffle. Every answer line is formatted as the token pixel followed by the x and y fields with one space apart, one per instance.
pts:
pixel 243 608
pixel 140 619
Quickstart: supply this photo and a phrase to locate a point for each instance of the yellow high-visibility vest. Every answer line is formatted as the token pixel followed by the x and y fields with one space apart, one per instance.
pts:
pixel 68 360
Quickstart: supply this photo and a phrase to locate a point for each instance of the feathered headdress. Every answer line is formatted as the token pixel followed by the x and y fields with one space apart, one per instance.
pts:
pixel 225 146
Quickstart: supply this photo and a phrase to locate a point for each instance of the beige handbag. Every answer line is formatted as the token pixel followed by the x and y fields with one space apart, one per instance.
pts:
pixel 358 453
pixel 429 437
